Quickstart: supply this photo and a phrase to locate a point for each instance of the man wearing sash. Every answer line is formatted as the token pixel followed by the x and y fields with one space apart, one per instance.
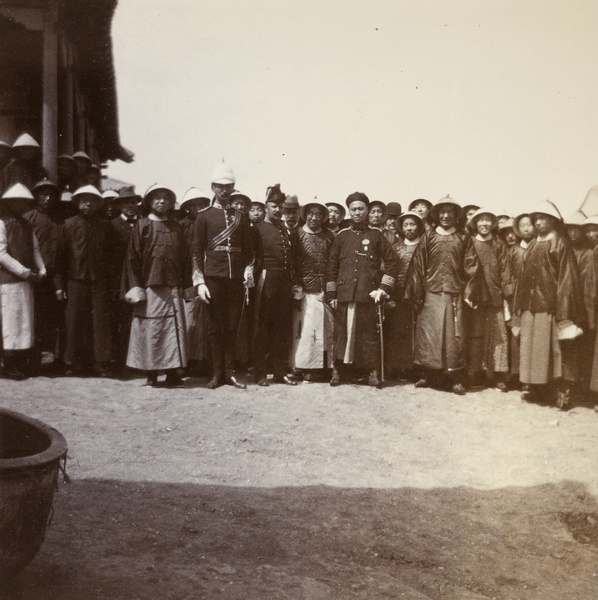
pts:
pixel 222 266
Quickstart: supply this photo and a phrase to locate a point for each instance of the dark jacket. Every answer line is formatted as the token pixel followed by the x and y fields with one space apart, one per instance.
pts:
pixel 495 283
pixel 550 281
pixel 158 255
pixel 438 265
pixel 84 251
pixel 216 253
pixel 404 253
pixel 310 258
pixel 47 231
pixel 273 248
pixel 360 261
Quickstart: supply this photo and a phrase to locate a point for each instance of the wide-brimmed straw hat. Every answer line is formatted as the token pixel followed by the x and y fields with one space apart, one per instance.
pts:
pixel 508 224
pixel 195 196
pixel 154 188
pixel 339 206
pixel 575 218
pixel 239 196
pixel 20 197
pixel 314 204
pixel 26 141
pixel 547 208
pixel 447 200
pixel 412 215
pixel 516 222
pixel 471 223
pixel 86 190
pixel 417 201
pixel 379 204
pixel 44 184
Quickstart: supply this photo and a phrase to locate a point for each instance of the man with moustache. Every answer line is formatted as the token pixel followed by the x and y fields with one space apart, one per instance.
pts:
pixel 223 257
pixel 272 328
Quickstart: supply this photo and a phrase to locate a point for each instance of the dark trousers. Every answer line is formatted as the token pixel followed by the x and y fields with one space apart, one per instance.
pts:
pixel 50 326
pixel 122 316
pixel 88 324
pixel 224 313
pixel 272 326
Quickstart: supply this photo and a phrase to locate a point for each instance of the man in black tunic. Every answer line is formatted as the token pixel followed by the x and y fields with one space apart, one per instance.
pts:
pixel 272 328
pixel 361 273
pixel 222 266
pixel 50 325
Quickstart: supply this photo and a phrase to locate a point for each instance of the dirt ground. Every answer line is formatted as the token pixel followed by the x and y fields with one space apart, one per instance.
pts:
pixel 313 493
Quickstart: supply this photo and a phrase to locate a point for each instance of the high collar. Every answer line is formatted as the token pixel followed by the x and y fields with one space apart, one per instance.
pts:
pixel 483 238
pixel 414 242
pixel 359 228
pixel 308 230
pixel 154 217
pixel 442 231
pixel 548 236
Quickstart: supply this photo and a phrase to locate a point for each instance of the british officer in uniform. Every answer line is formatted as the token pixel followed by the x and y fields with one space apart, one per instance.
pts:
pixel 222 266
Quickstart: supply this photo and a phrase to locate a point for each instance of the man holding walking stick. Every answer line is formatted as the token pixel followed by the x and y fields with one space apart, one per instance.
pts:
pixel 361 274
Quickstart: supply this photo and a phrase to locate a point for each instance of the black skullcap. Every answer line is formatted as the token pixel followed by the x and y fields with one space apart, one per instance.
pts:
pixel 357 197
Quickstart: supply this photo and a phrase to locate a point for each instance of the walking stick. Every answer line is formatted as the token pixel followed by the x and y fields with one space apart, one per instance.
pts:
pixel 176 330
pixel 380 327
pixel 245 303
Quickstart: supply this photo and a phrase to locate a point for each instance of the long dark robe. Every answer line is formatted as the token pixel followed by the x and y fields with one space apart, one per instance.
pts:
pixel 435 283
pixel 158 261
pixel 548 292
pixel 400 316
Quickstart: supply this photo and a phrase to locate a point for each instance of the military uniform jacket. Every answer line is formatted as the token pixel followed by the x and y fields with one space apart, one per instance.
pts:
pixel 361 260
pixel 222 244
pixel 273 248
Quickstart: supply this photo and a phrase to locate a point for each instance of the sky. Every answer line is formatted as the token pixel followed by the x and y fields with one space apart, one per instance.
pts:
pixel 494 102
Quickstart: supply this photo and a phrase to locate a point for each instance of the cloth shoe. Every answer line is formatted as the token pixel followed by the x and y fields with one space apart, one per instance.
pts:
pixel 374 378
pixel 336 377
pixel 459 389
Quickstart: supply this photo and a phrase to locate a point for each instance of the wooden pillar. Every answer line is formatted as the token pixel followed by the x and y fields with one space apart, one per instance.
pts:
pixel 50 90
pixel 67 112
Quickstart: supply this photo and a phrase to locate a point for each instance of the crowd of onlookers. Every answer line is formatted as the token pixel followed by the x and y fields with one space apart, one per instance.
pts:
pixel 99 283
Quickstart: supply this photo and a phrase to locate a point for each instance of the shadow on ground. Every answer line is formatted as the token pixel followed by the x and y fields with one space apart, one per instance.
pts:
pixel 122 540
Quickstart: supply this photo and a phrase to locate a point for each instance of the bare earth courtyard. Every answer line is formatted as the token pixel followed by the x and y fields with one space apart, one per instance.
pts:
pixel 313 493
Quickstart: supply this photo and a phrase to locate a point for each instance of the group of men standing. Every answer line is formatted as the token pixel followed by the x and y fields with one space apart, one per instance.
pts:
pixel 429 294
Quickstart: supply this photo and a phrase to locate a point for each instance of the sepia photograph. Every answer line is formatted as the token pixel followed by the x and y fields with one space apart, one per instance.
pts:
pixel 298 300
